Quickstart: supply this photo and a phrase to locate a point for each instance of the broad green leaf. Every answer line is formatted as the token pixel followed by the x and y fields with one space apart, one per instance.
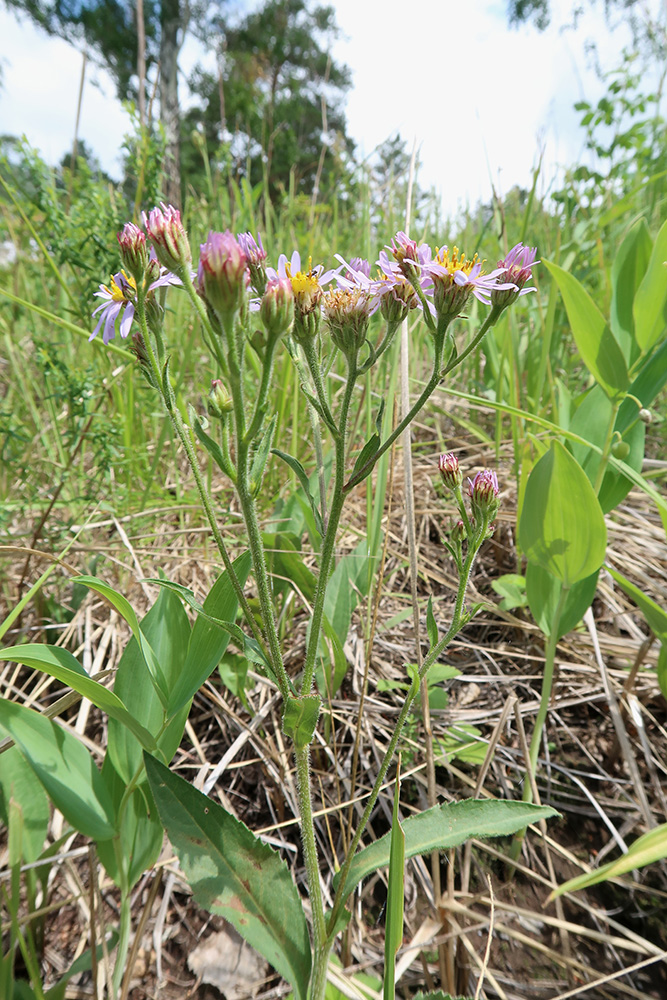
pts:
pixel 561 526
pixel 650 306
pixel 627 272
pixel 18 785
pixel 447 826
pixel 208 642
pixel 650 847
pixel 300 719
pixel 285 564
pixel 331 670
pixel 393 938
pixel 595 342
pixel 543 592
pixel 141 835
pixel 64 767
pixel 343 590
pixel 60 663
pixel 167 629
pixel 653 613
pixel 235 875
pixel 126 611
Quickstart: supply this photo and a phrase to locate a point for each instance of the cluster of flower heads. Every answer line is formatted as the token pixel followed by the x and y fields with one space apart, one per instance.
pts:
pixel 483 491
pixel 233 270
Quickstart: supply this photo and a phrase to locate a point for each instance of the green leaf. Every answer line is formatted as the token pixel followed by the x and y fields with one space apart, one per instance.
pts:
pixel 543 592
pixel 366 453
pixel 512 588
pixel 285 560
pixel 208 641
pixel 261 456
pixel 18 785
pixel 60 663
pixel 64 767
pixel 167 630
pixel 235 875
pixel 595 342
pixel 141 835
pixel 561 526
pixel 652 846
pixel 212 446
pixel 627 272
pixel 126 611
pixel 661 669
pixel 296 467
pixel 447 826
pixel 650 305
pixel 653 613
pixel 300 719
pixel 431 625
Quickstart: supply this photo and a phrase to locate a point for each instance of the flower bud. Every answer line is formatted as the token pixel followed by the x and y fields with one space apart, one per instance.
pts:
pixel 645 416
pixel 169 238
pixel 458 532
pixel 483 491
pixel 133 251
pixel 450 471
pixel 219 402
pixel 222 274
pixel 256 256
pixel 397 300
pixel 276 309
pixel 620 449
pixel 347 312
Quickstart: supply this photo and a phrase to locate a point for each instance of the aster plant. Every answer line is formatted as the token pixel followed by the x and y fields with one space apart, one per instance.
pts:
pixel 244 306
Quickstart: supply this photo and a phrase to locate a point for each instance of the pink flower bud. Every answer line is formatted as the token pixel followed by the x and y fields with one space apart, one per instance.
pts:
pixel 219 402
pixel 483 491
pixel 166 231
pixel 223 274
pixel 133 251
pixel 450 471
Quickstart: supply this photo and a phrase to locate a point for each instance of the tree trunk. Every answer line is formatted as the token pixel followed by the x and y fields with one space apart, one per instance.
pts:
pixel 170 25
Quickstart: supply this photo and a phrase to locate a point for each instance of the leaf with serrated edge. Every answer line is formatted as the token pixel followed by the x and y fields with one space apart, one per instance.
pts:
pixel 232 873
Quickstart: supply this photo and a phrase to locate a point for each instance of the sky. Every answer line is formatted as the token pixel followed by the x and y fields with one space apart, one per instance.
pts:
pixel 481 101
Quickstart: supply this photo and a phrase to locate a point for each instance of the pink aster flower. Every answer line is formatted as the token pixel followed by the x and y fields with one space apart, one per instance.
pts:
pixel 222 275
pixel 455 279
pixel 393 293
pixel 483 491
pixel 118 302
pixel 517 270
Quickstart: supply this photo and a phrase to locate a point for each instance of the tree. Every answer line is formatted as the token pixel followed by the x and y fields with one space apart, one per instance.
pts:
pixel 277 99
pixel 111 29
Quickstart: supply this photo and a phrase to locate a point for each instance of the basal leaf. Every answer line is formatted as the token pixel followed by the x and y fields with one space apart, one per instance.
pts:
pixel 650 305
pixel 64 767
pixel 60 663
pixel 235 875
pixel 543 591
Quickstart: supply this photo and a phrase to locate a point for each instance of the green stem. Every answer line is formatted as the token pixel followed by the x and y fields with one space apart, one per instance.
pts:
pixel 606 448
pixel 316 375
pixel 329 540
pixel 430 659
pixel 490 321
pixel 302 760
pixel 431 385
pixel 123 941
pixel 263 392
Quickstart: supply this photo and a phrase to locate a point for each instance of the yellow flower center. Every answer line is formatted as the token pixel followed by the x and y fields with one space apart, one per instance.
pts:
pixel 117 292
pixel 454 262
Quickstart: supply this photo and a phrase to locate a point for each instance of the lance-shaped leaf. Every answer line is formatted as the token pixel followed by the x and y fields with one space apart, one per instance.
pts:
pixel 595 342
pixel 447 826
pixel 300 719
pixel 60 663
pixel 655 615
pixel 64 767
pixel 627 272
pixel 561 527
pixel 650 305
pixel 126 611
pixel 652 846
pixel 235 875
